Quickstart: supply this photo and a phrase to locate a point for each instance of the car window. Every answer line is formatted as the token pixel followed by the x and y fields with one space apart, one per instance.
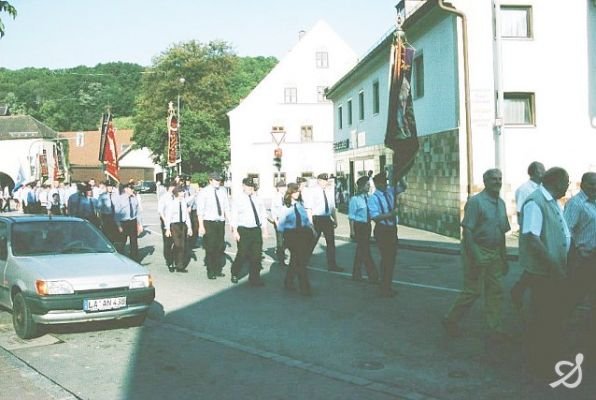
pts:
pixel 3 241
pixel 57 237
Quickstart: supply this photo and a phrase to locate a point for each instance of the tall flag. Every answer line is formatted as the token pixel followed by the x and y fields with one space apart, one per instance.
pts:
pixel 58 171
pixel 43 165
pixel 401 135
pixel 173 137
pixel 108 153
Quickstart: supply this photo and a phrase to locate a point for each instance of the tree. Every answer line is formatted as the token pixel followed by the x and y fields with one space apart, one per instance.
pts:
pixel 5 6
pixel 215 80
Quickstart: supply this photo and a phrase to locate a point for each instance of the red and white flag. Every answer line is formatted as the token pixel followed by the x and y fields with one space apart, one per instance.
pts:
pixel 108 153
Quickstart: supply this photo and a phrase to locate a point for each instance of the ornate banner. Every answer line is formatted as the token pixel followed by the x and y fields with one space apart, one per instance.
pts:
pixel 174 156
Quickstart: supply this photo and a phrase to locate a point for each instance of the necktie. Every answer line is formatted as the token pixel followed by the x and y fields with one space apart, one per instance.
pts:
pixel 180 212
pixel 130 207
pixel 217 201
pixel 112 204
pixel 367 210
pixel 254 210
pixel 298 216
pixel 326 202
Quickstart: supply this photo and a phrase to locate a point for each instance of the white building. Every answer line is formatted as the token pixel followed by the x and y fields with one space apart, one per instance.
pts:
pixel 291 100
pixel 544 64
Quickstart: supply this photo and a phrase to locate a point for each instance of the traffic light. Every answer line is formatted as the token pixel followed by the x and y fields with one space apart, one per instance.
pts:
pixel 277 153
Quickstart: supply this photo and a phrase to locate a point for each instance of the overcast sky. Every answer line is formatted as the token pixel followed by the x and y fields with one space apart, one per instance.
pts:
pixel 67 33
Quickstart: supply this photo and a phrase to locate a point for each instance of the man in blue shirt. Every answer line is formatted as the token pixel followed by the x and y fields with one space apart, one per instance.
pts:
pixel 384 213
pixel 127 212
pixel 359 215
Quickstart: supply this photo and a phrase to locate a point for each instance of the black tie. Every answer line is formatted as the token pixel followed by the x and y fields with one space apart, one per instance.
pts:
pixel 367 210
pixel 130 207
pixel 298 217
pixel 254 210
pixel 180 211
pixel 326 202
pixel 217 201
pixel 112 204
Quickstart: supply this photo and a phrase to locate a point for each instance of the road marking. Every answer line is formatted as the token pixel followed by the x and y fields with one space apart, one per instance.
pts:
pixel 269 260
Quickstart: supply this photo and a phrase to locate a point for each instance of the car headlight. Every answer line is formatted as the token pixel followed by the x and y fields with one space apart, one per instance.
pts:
pixel 45 288
pixel 140 281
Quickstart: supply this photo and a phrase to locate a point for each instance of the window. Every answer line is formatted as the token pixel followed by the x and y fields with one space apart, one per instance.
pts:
pixel 322 58
pixel 349 112
pixel 306 134
pixel 519 109
pixel 340 117
pixel 80 139
pixel 321 94
pixel 254 177
pixel 290 95
pixel 418 77
pixel 375 104
pixel 278 176
pixel 516 22
pixel 361 105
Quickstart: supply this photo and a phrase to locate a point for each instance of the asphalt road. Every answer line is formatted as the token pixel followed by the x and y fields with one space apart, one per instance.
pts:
pixel 214 340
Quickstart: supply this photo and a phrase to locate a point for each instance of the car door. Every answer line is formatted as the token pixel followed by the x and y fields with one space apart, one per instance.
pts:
pixel 4 291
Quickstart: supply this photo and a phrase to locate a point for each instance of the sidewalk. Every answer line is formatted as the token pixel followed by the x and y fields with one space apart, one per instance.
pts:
pixel 20 381
pixel 421 240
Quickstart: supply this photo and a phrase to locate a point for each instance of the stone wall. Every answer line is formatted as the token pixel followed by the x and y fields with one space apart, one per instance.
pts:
pixel 432 200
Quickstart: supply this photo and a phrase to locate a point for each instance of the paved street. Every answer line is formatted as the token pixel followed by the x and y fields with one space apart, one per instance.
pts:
pixel 215 340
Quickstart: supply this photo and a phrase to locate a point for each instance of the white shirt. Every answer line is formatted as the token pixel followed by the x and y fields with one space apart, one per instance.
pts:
pixel 532 221
pixel 315 201
pixel 174 207
pixel 243 213
pixel 207 206
pixel 522 193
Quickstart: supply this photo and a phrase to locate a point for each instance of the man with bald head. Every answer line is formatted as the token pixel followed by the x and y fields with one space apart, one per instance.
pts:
pixel 543 246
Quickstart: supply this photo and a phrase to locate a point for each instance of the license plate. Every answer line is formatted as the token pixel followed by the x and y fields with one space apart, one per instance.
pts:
pixel 104 304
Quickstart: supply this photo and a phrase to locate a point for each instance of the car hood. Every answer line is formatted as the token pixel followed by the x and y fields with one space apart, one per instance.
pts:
pixel 84 271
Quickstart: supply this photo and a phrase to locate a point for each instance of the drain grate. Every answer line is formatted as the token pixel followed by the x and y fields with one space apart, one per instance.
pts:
pixel 370 365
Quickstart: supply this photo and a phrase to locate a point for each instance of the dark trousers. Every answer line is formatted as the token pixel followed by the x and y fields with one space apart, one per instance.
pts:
pixel 363 257
pixel 324 225
pixel 215 245
pixel 548 310
pixel 250 247
pixel 168 245
pixel 109 228
pixel 386 237
pixel 179 231
pixel 298 242
pixel 582 281
pixel 280 246
pixel 129 231
pixel 194 222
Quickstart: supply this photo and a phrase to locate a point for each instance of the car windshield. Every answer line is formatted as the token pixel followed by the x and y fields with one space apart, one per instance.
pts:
pixel 57 237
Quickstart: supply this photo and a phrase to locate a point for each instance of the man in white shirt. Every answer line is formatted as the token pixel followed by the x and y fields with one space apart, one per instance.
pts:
pixel 535 171
pixel 178 226
pixel 320 205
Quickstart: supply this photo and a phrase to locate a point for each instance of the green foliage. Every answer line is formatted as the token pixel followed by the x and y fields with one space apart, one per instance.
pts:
pixel 5 6
pixel 71 99
pixel 215 80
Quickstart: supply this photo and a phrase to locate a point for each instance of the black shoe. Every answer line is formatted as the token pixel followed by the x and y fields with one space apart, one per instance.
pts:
pixel 182 270
pixel 335 268
pixel 256 283
pixel 234 279
pixel 171 268
pixel 210 275
pixel 220 274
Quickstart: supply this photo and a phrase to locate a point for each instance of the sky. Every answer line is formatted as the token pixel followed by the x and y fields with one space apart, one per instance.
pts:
pixel 66 33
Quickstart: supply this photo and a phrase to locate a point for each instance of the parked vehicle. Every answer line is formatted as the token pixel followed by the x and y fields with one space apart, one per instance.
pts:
pixel 58 269
pixel 145 187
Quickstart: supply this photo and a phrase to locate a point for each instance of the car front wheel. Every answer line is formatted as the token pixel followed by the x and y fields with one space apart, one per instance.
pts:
pixel 22 320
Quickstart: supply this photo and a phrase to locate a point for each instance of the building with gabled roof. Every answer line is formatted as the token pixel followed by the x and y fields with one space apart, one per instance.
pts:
pixel 289 106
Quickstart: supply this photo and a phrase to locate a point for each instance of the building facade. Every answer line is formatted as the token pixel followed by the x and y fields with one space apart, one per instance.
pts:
pixel 532 92
pixel 288 110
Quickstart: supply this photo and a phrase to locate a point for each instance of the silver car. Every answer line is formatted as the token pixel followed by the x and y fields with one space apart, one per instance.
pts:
pixel 56 269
